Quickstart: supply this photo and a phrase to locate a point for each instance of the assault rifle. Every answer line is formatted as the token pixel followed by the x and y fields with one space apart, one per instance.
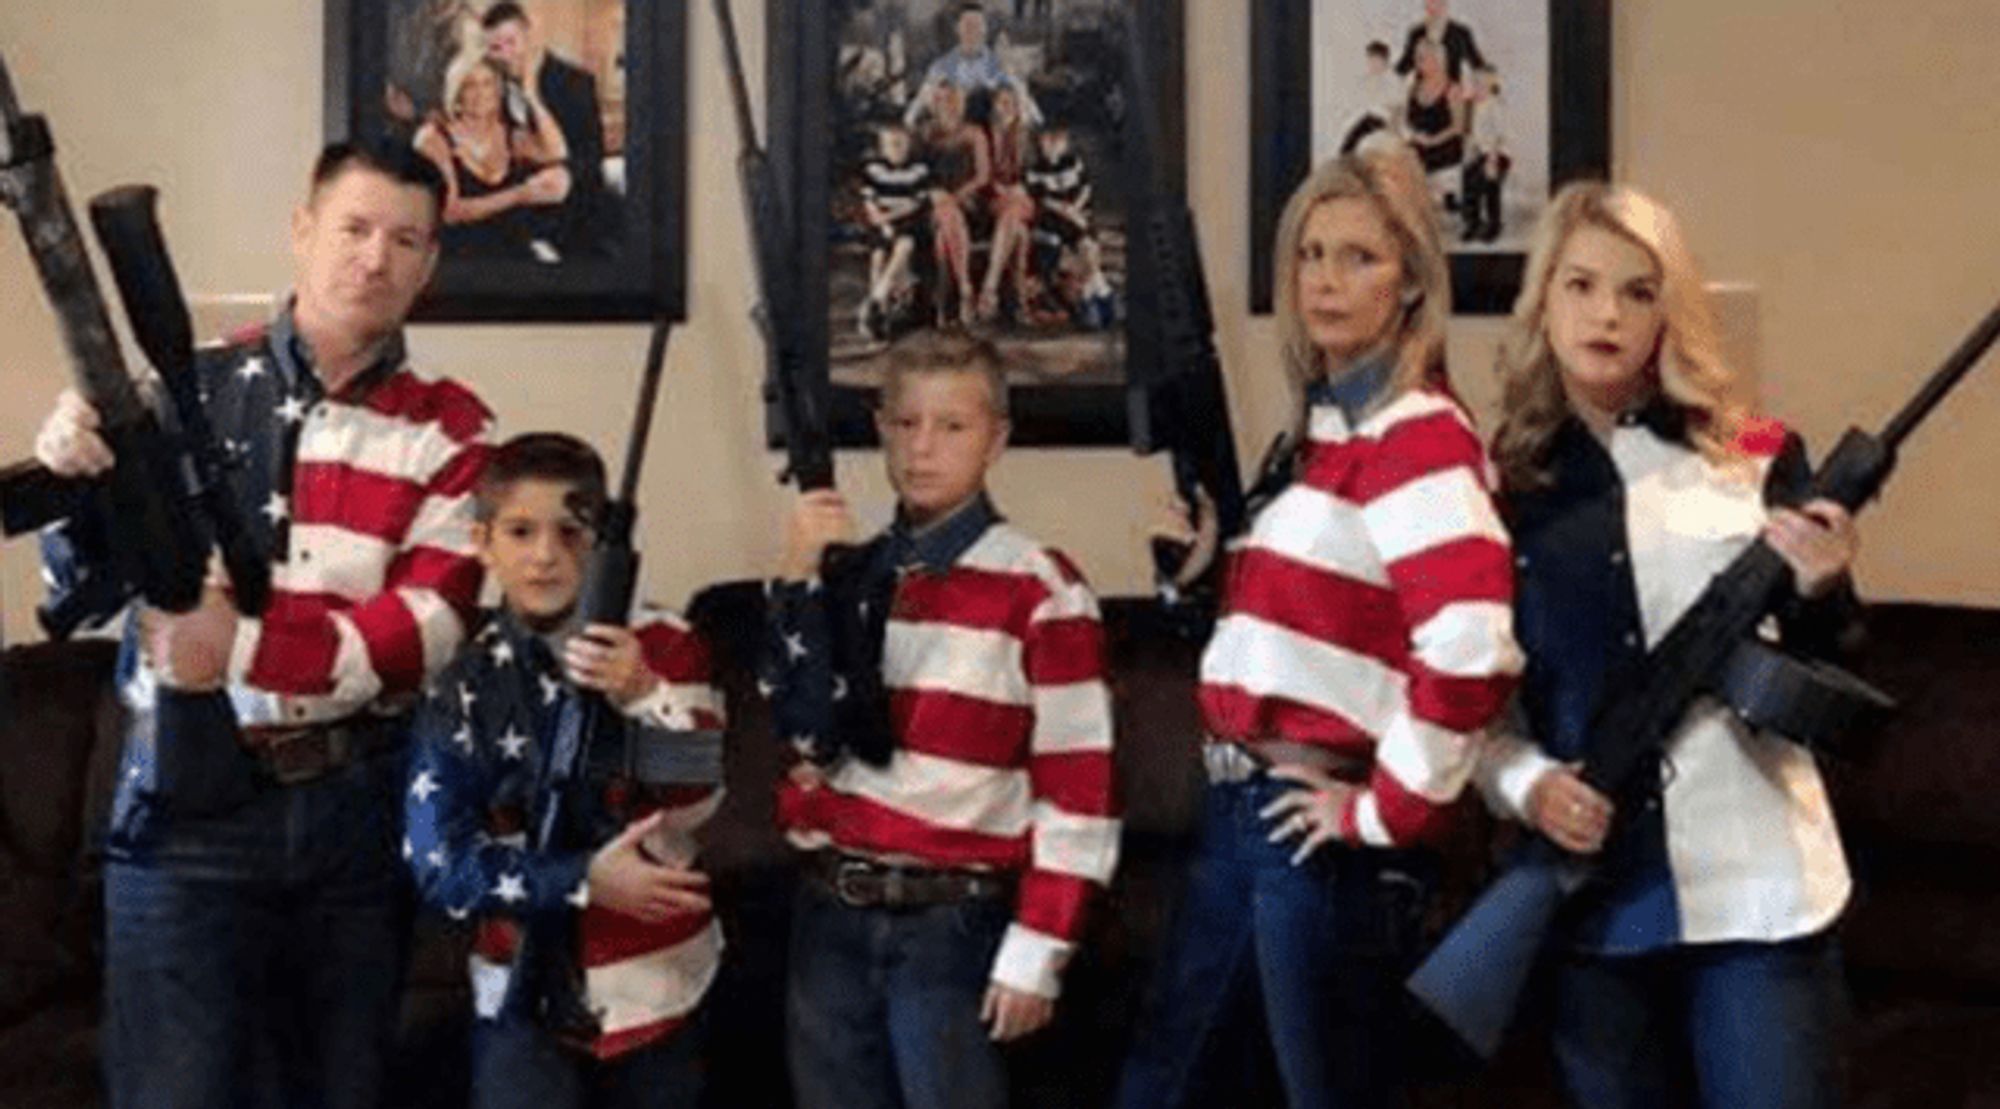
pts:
pixel 1474 978
pixel 802 397
pixel 170 490
pixel 1177 402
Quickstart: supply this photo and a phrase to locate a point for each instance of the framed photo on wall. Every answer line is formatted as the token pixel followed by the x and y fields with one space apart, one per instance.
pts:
pixel 964 166
pixel 560 127
pixel 1502 101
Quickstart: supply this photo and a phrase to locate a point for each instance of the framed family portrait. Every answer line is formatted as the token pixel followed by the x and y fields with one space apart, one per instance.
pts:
pixel 964 166
pixel 1502 101
pixel 559 126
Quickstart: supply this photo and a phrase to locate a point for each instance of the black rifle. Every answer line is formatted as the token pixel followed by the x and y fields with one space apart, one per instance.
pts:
pixel 802 397
pixel 1178 402
pixel 170 490
pixel 590 731
pixel 1474 978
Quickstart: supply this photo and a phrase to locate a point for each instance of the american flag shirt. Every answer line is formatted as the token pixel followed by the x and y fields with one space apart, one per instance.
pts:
pixel 363 501
pixel 479 785
pixel 993 663
pixel 1368 607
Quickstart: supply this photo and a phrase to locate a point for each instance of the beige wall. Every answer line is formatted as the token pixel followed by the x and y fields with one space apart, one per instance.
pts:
pixel 1839 155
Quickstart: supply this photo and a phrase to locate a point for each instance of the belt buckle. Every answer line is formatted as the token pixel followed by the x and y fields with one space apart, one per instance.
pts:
pixel 295 758
pixel 847 874
pixel 1227 763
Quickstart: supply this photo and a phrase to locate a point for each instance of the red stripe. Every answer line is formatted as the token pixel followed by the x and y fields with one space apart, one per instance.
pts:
pixel 1410 818
pixel 858 824
pixel 1414 448
pixel 1460 704
pixel 1065 569
pixel 968 598
pixel 460 474
pixel 1079 782
pixel 449 405
pixel 612 937
pixel 358 500
pixel 676 654
pixel 1053 904
pixel 1475 568
pixel 395 645
pixel 1761 437
pixel 1355 615
pixel 1235 713
pixel 955 726
pixel 454 577
pixel 1064 651
pixel 295 649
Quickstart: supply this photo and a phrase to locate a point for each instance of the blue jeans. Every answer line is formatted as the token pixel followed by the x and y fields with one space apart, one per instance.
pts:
pixel 1324 945
pixel 1758 1019
pixel 516 1064
pixel 256 958
pixel 882 1006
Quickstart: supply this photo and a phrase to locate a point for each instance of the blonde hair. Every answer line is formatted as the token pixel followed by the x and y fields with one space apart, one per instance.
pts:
pixel 463 66
pixel 947 352
pixel 1687 364
pixel 1391 180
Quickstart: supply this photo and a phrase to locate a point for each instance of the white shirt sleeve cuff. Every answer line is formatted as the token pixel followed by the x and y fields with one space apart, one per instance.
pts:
pixel 249 632
pixel 1509 767
pixel 1031 962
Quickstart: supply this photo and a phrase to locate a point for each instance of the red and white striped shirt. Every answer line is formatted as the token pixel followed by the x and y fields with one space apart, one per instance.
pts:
pixel 1368 610
pixel 994 668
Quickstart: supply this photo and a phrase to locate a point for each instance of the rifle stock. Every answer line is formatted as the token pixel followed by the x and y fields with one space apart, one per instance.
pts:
pixel 1463 981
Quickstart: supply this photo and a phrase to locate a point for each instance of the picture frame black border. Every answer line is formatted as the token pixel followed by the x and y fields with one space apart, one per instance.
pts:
pixel 1482 283
pixel 800 46
pixel 643 284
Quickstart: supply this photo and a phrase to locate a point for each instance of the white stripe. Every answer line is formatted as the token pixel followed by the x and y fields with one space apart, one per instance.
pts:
pixel 444 523
pixel 971 662
pixel 1071 843
pixel 1265 659
pixel 438 626
pixel 1071 718
pixel 355 682
pixel 489 985
pixel 1413 404
pixel 1432 510
pixel 944 792
pixel 1031 961
pixel 658 985
pixel 1429 761
pixel 1368 821
pixel 328 558
pixel 672 705
pixel 1326 423
pixel 1469 639
pixel 1312 527
pixel 379 444
pixel 1004 550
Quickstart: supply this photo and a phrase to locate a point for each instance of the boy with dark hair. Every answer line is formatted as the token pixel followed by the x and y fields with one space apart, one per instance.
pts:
pixel 1381 96
pixel 954 791
pixel 636 909
pixel 894 191
pixel 1059 185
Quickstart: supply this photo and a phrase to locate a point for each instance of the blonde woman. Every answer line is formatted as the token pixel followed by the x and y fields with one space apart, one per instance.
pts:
pixel 1362 639
pixel 1631 475
pixel 503 184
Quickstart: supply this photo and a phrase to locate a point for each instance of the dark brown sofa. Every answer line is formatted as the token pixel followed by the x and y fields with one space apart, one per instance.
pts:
pixel 1918 806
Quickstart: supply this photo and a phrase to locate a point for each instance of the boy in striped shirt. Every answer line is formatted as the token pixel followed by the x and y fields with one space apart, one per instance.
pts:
pixel 944 686
pixel 631 902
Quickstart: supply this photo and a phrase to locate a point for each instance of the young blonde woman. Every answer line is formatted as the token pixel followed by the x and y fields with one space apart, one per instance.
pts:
pixel 1362 639
pixel 1631 474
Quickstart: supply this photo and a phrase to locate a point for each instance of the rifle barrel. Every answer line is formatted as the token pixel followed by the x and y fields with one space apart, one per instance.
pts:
pixel 739 88
pixel 642 420
pixel 1950 374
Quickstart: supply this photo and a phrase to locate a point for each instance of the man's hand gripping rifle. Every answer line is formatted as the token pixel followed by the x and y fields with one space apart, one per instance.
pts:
pixel 168 497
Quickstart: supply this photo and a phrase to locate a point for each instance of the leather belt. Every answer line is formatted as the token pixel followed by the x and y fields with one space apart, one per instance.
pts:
pixel 861 883
pixel 1232 761
pixel 293 755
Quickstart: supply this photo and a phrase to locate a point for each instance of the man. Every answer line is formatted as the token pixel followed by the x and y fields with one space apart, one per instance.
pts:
pixel 255 913
pixel 1455 38
pixel 972 67
pixel 571 95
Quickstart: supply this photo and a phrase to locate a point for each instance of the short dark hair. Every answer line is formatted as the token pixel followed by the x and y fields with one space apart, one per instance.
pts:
pixel 506 11
pixel 1378 48
pixel 543 456
pixel 401 164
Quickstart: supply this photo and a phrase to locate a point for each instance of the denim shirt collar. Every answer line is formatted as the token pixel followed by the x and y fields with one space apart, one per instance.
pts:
pixel 295 359
pixel 1357 390
pixel 938 546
